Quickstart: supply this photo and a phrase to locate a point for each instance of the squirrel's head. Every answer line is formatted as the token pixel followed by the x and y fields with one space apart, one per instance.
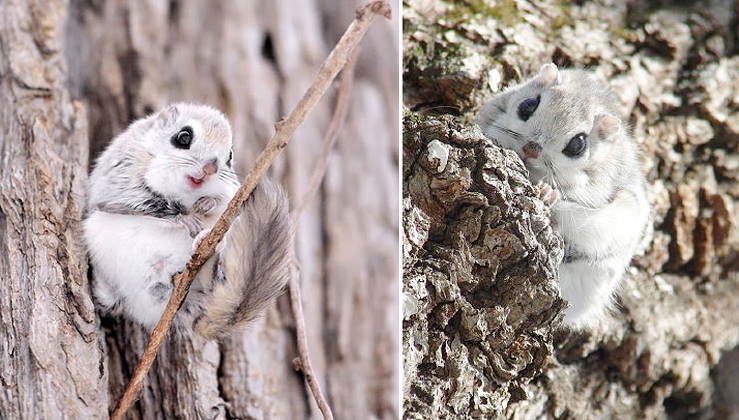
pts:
pixel 562 124
pixel 190 148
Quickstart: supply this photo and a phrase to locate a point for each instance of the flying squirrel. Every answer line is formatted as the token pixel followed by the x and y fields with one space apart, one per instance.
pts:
pixel 564 125
pixel 153 194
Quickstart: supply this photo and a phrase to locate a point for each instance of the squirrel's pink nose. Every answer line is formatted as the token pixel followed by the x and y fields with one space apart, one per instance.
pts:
pixel 211 167
pixel 531 150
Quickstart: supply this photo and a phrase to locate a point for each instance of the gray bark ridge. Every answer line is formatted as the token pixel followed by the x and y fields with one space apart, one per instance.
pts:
pixel 51 359
pixel 480 295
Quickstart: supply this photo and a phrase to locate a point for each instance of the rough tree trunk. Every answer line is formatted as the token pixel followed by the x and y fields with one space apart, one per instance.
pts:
pixel 122 59
pixel 51 353
pixel 478 334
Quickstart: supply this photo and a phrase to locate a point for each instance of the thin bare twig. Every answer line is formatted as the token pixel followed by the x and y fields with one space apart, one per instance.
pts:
pixel 342 104
pixel 346 80
pixel 284 129
pixel 305 364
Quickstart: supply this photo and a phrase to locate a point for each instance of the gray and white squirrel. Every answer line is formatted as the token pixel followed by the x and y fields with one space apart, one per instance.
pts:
pixel 154 193
pixel 565 127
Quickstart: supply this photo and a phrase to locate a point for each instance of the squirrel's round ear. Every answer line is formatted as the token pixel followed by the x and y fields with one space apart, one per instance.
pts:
pixel 606 125
pixel 168 115
pixel 548 75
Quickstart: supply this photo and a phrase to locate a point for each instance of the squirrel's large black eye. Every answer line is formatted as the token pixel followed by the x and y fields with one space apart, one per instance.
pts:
pixel 230 159
pixel 576 145
pixel 527 107
pixel 183 139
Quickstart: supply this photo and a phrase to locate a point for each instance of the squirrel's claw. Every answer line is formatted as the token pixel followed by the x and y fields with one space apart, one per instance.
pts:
pixel 547 194
pixel 205 205
pixel 190 222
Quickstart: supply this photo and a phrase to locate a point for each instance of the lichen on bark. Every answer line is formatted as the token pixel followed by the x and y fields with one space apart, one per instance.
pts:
pixel 660 354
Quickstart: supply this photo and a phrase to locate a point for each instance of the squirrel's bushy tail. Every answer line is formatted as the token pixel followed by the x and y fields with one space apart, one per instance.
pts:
pixel 253 265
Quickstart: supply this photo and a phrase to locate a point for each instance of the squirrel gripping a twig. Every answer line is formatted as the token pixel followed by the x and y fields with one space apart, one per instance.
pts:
pixel 154 193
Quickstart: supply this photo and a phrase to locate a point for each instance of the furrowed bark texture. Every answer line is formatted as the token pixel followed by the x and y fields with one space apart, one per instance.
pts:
pixel 51 354
pixel 667 351
pixel 253 60
pixel 479 292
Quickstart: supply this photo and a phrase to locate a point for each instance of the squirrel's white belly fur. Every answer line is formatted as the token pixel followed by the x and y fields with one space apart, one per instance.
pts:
pixel 611 235
pixel 134 256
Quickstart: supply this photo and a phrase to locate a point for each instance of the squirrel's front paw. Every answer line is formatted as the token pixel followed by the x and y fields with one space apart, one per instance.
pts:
pixel 547 194
pixel 204 205
pixel 190 222
pixel 199 238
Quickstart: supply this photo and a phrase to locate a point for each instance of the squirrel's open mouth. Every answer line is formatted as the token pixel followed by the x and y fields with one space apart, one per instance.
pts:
pixel 195 182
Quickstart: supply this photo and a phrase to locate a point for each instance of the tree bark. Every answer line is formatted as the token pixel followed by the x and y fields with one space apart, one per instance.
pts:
pixel 122 60
pixel 51 350
pixel 668 347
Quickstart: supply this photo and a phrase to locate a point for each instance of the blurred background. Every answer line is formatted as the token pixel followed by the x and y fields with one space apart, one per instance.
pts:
pixel 80 72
